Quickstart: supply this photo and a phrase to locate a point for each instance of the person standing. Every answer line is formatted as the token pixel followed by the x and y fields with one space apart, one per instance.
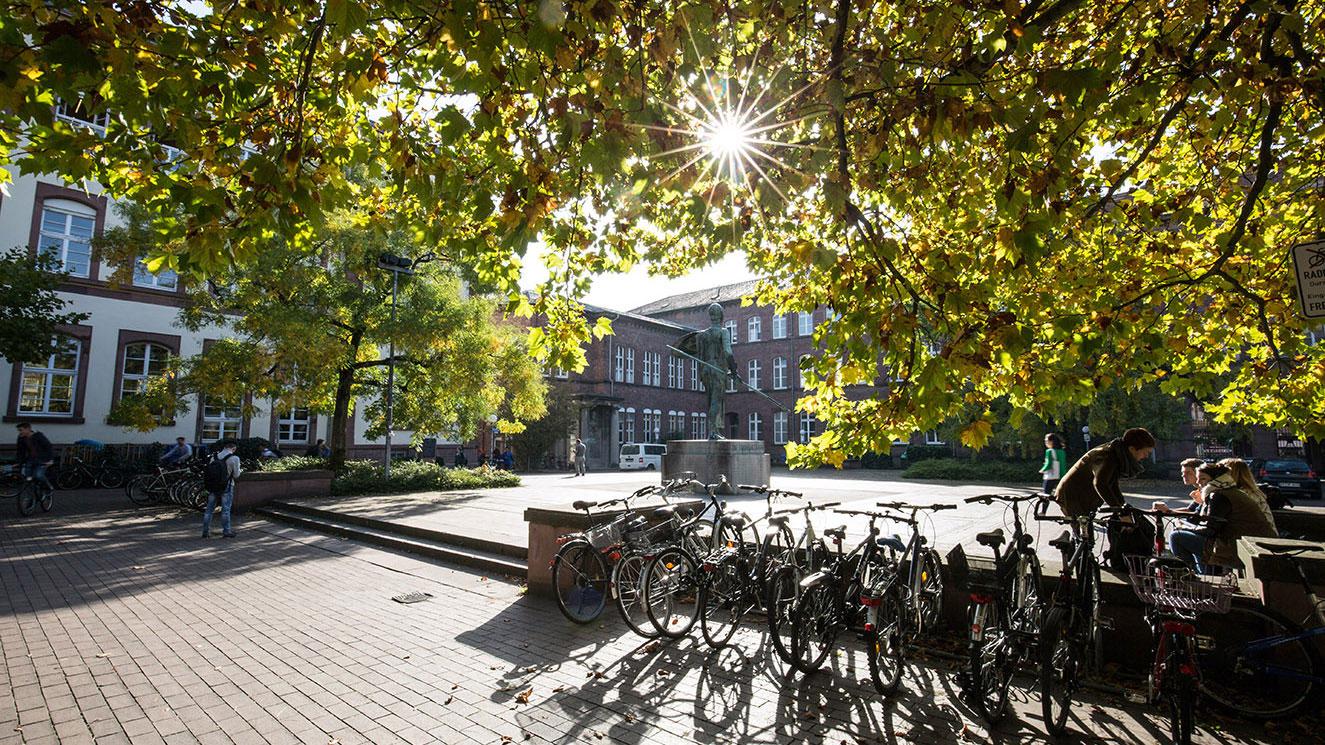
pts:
pixel 508 459
pixel 219 480
pixel 460 460
pixel 1055 462
pixel 34 454
pixel 318 450
pixel 581 457
pixel 1093 479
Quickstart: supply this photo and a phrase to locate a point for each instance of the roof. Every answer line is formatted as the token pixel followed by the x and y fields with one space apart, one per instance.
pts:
pixel 615 314
pixel 699 298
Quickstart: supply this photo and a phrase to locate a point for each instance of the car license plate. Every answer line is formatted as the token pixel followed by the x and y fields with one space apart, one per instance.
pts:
pixel 1290 485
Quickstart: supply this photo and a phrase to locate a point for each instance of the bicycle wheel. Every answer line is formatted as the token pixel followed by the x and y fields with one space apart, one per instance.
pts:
pixel 45 497
pixel 777 550
pixel 1180 691
pixel 1023 613
pixel 69 478
pixel 579 578
pixel 929 601
pixel 141 490
pixel 110 478
pixel 671 592
pixel 1256 663
pixel 885 646
pixel 815 627
pixel 783 591
pixel 722 602
pixel 1060 663
pixel 628 594
pixel 990 671
pixel 27 499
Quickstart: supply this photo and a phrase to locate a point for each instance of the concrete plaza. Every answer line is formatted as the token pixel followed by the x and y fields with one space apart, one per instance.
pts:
pixel 122 626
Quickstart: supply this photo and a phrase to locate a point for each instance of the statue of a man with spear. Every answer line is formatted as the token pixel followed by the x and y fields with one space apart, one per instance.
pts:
pixel 712 347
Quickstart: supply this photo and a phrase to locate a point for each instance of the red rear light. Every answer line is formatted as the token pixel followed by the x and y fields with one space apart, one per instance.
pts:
pixel 1179 627
pixel 869 628
pixel 981 598
pixel 1311 474
pixel 870 602
pixel 615 556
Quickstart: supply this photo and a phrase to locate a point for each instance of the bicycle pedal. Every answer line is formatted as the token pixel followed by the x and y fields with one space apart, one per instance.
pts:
pixel 1105 622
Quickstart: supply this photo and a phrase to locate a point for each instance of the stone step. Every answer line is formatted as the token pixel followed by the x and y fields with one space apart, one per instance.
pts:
pixel 513 551
pixel 432 547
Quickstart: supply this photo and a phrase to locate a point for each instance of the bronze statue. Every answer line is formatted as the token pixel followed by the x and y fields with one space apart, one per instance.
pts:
pixel 712 347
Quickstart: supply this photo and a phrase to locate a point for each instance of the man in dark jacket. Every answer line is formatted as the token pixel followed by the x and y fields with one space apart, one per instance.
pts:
pixel 1093 480
pixel 34 453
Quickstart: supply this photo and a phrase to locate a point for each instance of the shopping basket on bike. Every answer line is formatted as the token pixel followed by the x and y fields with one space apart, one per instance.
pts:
pixel 1180 589
pixel 611 534
pixel 975 574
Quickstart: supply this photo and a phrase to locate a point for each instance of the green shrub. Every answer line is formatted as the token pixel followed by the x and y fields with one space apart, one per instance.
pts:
pixel 951 469
pixel 917 453
pixel 366 477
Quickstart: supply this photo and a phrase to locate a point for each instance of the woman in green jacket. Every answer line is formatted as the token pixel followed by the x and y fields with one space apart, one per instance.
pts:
pixel 1055 462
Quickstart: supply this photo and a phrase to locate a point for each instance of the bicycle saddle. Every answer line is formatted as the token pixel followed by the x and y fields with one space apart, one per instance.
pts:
pixel 665 512
pixel 992 539
pixel 734 519
pixel 778 521
pixel 894 542
pixel 1063 542
pixel 838 533
pixel 580 504
pixel 1168 562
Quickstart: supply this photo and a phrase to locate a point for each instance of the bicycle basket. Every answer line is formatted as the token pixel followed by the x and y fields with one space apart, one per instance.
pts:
pixel 1180 589
pixel 607 535
pixel 972 573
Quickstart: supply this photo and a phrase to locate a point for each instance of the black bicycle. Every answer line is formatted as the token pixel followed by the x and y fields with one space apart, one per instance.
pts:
pixel 34 492
pixel 1069 641
pixel 1004 607
pixel 77 473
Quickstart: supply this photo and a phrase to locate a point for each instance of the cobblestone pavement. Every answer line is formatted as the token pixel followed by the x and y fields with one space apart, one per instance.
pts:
pixel 119 626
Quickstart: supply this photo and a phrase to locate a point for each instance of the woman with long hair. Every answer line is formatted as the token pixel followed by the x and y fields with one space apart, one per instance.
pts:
pixel 1246 481
pixel 1055 462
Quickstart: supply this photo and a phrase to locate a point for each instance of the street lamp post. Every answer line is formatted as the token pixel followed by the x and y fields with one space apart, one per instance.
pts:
pixel 397 265
pixel 1085 435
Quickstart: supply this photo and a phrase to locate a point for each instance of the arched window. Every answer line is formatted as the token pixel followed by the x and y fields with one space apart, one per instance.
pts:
pixel 142 361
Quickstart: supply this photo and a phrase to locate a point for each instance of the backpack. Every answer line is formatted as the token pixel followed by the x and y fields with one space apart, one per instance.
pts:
pixel 216 476
pixel 1128 539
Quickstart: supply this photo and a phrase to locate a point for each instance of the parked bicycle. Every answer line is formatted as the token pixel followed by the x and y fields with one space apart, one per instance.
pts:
pixel 77 473
pixel 1174 594
pixel 739 579
pixel 1004 607
pixel 1256 662
pixel 1069 642
pixel 182 486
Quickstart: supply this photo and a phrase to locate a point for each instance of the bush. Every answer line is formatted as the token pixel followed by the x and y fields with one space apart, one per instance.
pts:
pixel 366 477
pixel 917 453
pixel 951 469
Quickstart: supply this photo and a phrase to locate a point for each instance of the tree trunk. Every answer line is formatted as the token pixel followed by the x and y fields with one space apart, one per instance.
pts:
pixel 340 415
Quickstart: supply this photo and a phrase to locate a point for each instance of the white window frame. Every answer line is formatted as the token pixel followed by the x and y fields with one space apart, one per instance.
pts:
pixel 626 425
pixel 149 357
pixel 779 373
pixel 73 115
pixel 68 211
pixel 779 428
pixel 807 422
pixel 752 369
pixel 779 326
pixel 619 365
pixel 756 426
pixel 695 383
pixel 805 323
pixel 699 428
pixel 754 328
pixel 166 279
pixel 671 371
pixel 630 365
pixel 731 384
pixel 932 437
pixel 288 423
pixel 646 365
pixel 47 372
pixel 657 369
pixel 219 418
pixel 731 327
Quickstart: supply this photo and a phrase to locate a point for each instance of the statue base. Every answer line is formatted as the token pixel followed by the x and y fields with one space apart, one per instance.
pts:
pixel 741 461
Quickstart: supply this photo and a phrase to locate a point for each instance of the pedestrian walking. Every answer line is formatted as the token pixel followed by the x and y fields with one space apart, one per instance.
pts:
pixel 1055 462
pixel 218 478
pixel 581 457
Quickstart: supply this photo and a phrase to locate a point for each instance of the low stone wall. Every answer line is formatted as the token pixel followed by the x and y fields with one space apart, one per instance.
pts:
pixel 257 488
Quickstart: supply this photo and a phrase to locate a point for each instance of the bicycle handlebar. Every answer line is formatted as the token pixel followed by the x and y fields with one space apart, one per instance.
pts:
pixel 806 508
pixel 1009 498
pixel 768 490
pixel 905 506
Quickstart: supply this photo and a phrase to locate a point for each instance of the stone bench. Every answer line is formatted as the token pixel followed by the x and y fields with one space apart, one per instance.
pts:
pixel 547 524
pixel 257 488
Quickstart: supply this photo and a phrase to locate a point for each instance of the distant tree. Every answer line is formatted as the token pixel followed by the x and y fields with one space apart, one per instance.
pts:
pixel 32 310
pixel 539 435
pixel 311 330
pixel 1133 403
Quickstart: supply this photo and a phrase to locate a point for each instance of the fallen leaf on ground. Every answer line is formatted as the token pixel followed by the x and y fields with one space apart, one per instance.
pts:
pixel 664 673
pixel 455 686
pixel 559 689
pixel 651 647
pixel 448 699
pixel 524 697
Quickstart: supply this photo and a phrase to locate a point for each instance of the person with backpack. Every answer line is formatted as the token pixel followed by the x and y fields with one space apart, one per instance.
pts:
pixel 218 478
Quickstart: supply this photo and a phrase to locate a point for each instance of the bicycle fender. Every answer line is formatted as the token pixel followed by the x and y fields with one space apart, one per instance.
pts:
pixel 815 579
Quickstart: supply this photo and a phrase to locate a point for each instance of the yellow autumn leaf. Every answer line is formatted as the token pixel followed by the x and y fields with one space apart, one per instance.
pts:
pixel 976 434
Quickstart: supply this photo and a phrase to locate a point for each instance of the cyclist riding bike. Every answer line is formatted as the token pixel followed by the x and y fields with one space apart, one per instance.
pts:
pixel 34 454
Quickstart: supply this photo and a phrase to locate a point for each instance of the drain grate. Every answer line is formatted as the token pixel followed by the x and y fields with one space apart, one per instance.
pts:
pixel 413 597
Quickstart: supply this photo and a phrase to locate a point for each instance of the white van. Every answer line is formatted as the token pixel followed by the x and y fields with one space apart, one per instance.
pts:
pixel 635 457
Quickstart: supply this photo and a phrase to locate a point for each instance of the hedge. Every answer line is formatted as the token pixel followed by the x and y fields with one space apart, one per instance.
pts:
pixel 366 477
pixel 951 469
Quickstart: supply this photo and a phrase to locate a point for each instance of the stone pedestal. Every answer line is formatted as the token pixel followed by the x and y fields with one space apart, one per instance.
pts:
pixel 741 461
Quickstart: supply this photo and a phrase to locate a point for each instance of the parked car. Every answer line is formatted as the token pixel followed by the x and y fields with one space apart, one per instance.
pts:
pixel 1292 478
pixel 638 456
